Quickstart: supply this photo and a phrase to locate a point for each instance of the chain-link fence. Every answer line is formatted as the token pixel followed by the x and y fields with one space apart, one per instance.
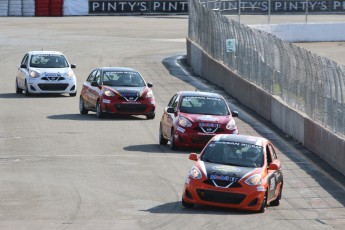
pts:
pixel 307 82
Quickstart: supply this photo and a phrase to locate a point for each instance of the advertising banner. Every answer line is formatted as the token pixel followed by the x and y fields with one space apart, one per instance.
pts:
pixel 110 6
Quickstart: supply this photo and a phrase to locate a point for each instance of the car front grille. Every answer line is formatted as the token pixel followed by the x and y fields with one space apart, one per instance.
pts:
pixel 209 130
pixel 135 108
pixel 53 78
pixel 53 87
pixel 220 197
pixel 203 139
pixel 223 183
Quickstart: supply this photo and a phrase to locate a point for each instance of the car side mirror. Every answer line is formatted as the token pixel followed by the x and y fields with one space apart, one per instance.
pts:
pixel 273 166
pixel 23 66
pixel 94 83
pixel 73 66
pixel 193 157
pixel 150 85
pixel 234 114
pixel 170 110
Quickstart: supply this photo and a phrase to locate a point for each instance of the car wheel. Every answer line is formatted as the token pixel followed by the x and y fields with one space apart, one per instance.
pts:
pixel 82 108
pixel 151 116
pixel 26 90
pixel 186 204
pixel 276 202
pixel 172 141
pixel 264 204
pixel 162 140
pixel 18 90
pixel 99 111
pixel 73 94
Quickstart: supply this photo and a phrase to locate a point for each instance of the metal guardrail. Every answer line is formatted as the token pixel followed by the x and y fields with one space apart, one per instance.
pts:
pixel 307 82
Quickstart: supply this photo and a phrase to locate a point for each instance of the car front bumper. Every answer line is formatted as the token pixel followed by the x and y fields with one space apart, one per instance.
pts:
pixel 68 85
pixel 142 107
pixel 245 198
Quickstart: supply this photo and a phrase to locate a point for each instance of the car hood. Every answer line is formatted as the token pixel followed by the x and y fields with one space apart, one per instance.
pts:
pixel 202 118
pixel 51 72
pixel 129 91
pixel 226 172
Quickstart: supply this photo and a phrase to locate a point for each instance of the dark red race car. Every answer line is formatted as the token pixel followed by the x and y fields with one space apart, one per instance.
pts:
pixel 235 171
pixel 117 90
pixel 192 118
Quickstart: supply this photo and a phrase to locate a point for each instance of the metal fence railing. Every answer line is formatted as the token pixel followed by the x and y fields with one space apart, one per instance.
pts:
pixel 307 82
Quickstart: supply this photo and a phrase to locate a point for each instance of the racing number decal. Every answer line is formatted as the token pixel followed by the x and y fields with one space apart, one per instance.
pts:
pixel 272 185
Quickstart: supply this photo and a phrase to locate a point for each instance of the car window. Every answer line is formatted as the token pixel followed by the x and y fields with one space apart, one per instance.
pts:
pixel 203 105
pixel 273 152
pixel 233 153
pixel 48 61
pixel 98 77
pixel 172 100
pixel 123 78
pixel 91 77
pixel 25 60
pixel 268 155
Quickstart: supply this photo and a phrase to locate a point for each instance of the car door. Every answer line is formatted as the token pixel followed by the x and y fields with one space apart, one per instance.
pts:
pixel 23 72
pixel 167 118
pixel 273 175
pixel 88 90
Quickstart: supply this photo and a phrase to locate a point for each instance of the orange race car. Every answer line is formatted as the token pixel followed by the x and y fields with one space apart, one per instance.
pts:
pixel 235 171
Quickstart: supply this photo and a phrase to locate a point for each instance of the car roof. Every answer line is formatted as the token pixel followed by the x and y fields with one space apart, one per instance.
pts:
pixel 44 52
pixel 247 139
pixel 199 93
pixel 117 69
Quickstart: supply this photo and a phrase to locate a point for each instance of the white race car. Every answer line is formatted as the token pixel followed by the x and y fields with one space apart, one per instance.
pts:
pixel 46 72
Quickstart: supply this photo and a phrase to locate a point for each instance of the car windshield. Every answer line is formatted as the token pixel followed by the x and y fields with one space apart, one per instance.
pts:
pixel 203 105
pixel 122 78
pixel 233 153
pixel 48 61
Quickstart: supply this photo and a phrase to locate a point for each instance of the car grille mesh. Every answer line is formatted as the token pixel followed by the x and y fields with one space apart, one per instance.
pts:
pixel 53 87
pixel 137 108
pixel 223 183
pixel 220 197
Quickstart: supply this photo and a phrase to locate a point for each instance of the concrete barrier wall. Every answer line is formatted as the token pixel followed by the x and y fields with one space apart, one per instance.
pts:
pixel 305 32
pixel 325 144
pixel 287 119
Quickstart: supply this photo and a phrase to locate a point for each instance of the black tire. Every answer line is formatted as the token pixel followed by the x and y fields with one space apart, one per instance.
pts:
pixel 162 140
pixel 186 204
pixel 73 94
pixel 18 90
pixel 99 112
pixel 26 90
pixel 172 141
pixel 264 204
pixel 82 108
pixel 276 202
pixel 151 116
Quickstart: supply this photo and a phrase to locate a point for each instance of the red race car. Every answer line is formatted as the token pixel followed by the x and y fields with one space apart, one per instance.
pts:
pixel 235 171
pixel 117 90
pixel 192 118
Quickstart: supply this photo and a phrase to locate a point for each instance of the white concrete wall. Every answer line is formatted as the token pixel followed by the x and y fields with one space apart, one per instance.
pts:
pixel 305 32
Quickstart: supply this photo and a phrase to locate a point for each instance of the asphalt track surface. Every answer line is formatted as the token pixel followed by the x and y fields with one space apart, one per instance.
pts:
pixel 66 171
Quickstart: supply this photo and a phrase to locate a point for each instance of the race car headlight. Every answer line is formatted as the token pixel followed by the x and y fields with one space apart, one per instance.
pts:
pixel 195 173
pixel 109 93
pixel 70 73
pixel 182 121
pixel 34 74
pixel 254 180
pixel 231 125
pixel 149 94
